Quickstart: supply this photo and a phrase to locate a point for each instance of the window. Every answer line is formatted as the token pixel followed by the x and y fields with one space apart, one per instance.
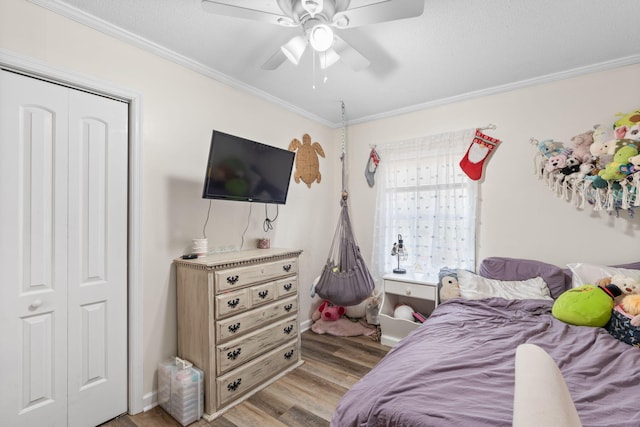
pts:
pixel 423 195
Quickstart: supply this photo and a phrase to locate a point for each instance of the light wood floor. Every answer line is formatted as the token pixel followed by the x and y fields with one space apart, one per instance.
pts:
pixel 305 397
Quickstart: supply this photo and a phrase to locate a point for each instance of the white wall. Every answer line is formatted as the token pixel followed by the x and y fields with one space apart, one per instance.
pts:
pixel 519 215
pixel 180 108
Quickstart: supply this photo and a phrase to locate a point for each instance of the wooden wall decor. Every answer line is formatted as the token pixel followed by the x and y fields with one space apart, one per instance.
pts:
pixel 307 162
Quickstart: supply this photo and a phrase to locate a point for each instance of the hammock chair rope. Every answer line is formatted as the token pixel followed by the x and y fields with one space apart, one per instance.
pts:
pixel 345 279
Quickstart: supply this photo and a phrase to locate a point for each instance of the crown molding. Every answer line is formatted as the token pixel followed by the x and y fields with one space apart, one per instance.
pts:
pixel 549 78
pixel 112 30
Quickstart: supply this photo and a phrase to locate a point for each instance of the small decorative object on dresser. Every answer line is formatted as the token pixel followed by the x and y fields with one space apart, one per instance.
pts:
pixel 237 321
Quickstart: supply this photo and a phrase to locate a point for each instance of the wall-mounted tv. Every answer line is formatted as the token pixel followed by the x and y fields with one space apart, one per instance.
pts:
pixel 244 170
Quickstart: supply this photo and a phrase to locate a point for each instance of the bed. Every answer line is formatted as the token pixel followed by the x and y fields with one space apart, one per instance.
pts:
pixel 458 368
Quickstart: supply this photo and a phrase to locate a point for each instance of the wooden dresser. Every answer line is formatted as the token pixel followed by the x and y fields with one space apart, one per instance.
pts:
pixel 237 321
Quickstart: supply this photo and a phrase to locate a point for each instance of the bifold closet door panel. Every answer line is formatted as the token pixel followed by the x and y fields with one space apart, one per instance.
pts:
pixel 98 177
pixel 33 251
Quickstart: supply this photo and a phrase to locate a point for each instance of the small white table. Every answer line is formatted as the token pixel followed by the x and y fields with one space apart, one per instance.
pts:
pixel 412 289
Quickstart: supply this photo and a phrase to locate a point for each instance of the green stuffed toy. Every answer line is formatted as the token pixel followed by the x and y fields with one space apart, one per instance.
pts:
pixel 586 305
pixel 613 172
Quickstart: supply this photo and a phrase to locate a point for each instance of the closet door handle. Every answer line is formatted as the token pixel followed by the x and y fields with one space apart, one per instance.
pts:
pixel 35 304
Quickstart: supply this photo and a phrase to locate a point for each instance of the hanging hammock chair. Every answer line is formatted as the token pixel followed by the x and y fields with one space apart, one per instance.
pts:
pixel 345 279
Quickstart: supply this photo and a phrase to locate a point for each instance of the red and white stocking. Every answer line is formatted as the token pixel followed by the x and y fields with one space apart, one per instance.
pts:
pixel 473 161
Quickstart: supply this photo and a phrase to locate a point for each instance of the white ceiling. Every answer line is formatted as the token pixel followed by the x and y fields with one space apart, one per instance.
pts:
pixel 455 50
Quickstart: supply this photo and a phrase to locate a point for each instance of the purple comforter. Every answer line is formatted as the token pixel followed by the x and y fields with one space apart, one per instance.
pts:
pixel 457 369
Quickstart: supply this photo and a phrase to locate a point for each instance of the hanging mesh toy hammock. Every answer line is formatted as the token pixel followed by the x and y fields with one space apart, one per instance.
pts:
pixel 345 279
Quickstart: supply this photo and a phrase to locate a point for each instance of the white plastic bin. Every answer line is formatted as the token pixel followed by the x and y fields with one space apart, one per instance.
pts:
pixel 181 390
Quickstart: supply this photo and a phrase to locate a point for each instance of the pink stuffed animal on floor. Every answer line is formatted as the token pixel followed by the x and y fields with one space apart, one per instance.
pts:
pixel 328 311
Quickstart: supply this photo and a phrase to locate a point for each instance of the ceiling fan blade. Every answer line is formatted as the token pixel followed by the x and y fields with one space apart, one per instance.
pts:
pixel 387 10
pixel 271 16
pixel 349 55
pixel 274 60
pixel 286 6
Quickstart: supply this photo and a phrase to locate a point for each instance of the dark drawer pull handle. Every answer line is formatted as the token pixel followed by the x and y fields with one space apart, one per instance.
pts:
pixel 233 355
pixel 232 279
pixel 234 385
pixel 286 267
pixel 288 307
pixel 288 355
pixel 288 329
pixel 232 303
pixel 234 328
pixel 263 294
pixel 288 287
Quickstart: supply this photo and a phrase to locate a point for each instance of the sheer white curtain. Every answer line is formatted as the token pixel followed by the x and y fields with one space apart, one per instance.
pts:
pixel 423 195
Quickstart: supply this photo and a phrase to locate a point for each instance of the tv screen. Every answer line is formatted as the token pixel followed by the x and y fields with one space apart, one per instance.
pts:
pixel 244 170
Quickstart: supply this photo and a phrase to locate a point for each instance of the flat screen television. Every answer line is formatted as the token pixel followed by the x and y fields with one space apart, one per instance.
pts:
pixel 244 170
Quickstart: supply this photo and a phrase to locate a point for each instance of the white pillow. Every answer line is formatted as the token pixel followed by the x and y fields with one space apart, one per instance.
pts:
pixel 584 274
pixel 473 286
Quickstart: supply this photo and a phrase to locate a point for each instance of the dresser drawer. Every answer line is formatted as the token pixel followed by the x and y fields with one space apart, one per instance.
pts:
pixel 250 320
pixel 247 347
pixel 237 382
pixel 234 278
pixel 262 294
pixel 410 289
pixel 231 303
pixel 288 286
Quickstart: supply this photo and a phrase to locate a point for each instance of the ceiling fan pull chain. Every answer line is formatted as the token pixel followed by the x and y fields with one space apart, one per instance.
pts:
pixel 313 71
pixel 324 70
pixel 343 156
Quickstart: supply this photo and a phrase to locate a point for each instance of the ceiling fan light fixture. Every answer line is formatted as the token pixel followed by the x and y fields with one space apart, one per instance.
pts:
pixel 341 21
pixel 294 48
pixel 321 37
pixel 313 6
pixel 328 58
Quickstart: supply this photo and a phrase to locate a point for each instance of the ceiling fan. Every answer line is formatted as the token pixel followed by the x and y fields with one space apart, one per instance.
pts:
pixel 317 19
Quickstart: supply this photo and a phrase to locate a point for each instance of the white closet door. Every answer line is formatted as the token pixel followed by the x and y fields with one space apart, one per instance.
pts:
pixel 97 258
pixel 33 252
pixel 63 218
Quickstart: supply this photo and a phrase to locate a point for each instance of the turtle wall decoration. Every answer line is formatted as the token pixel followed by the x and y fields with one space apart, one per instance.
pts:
pixel 307 162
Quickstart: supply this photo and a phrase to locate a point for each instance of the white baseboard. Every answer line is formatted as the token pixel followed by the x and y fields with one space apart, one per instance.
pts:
pixel 150 401
pixel 306 325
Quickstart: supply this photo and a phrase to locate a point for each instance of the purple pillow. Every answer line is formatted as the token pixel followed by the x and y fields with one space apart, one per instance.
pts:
pixel 630 266
pixel 501 268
